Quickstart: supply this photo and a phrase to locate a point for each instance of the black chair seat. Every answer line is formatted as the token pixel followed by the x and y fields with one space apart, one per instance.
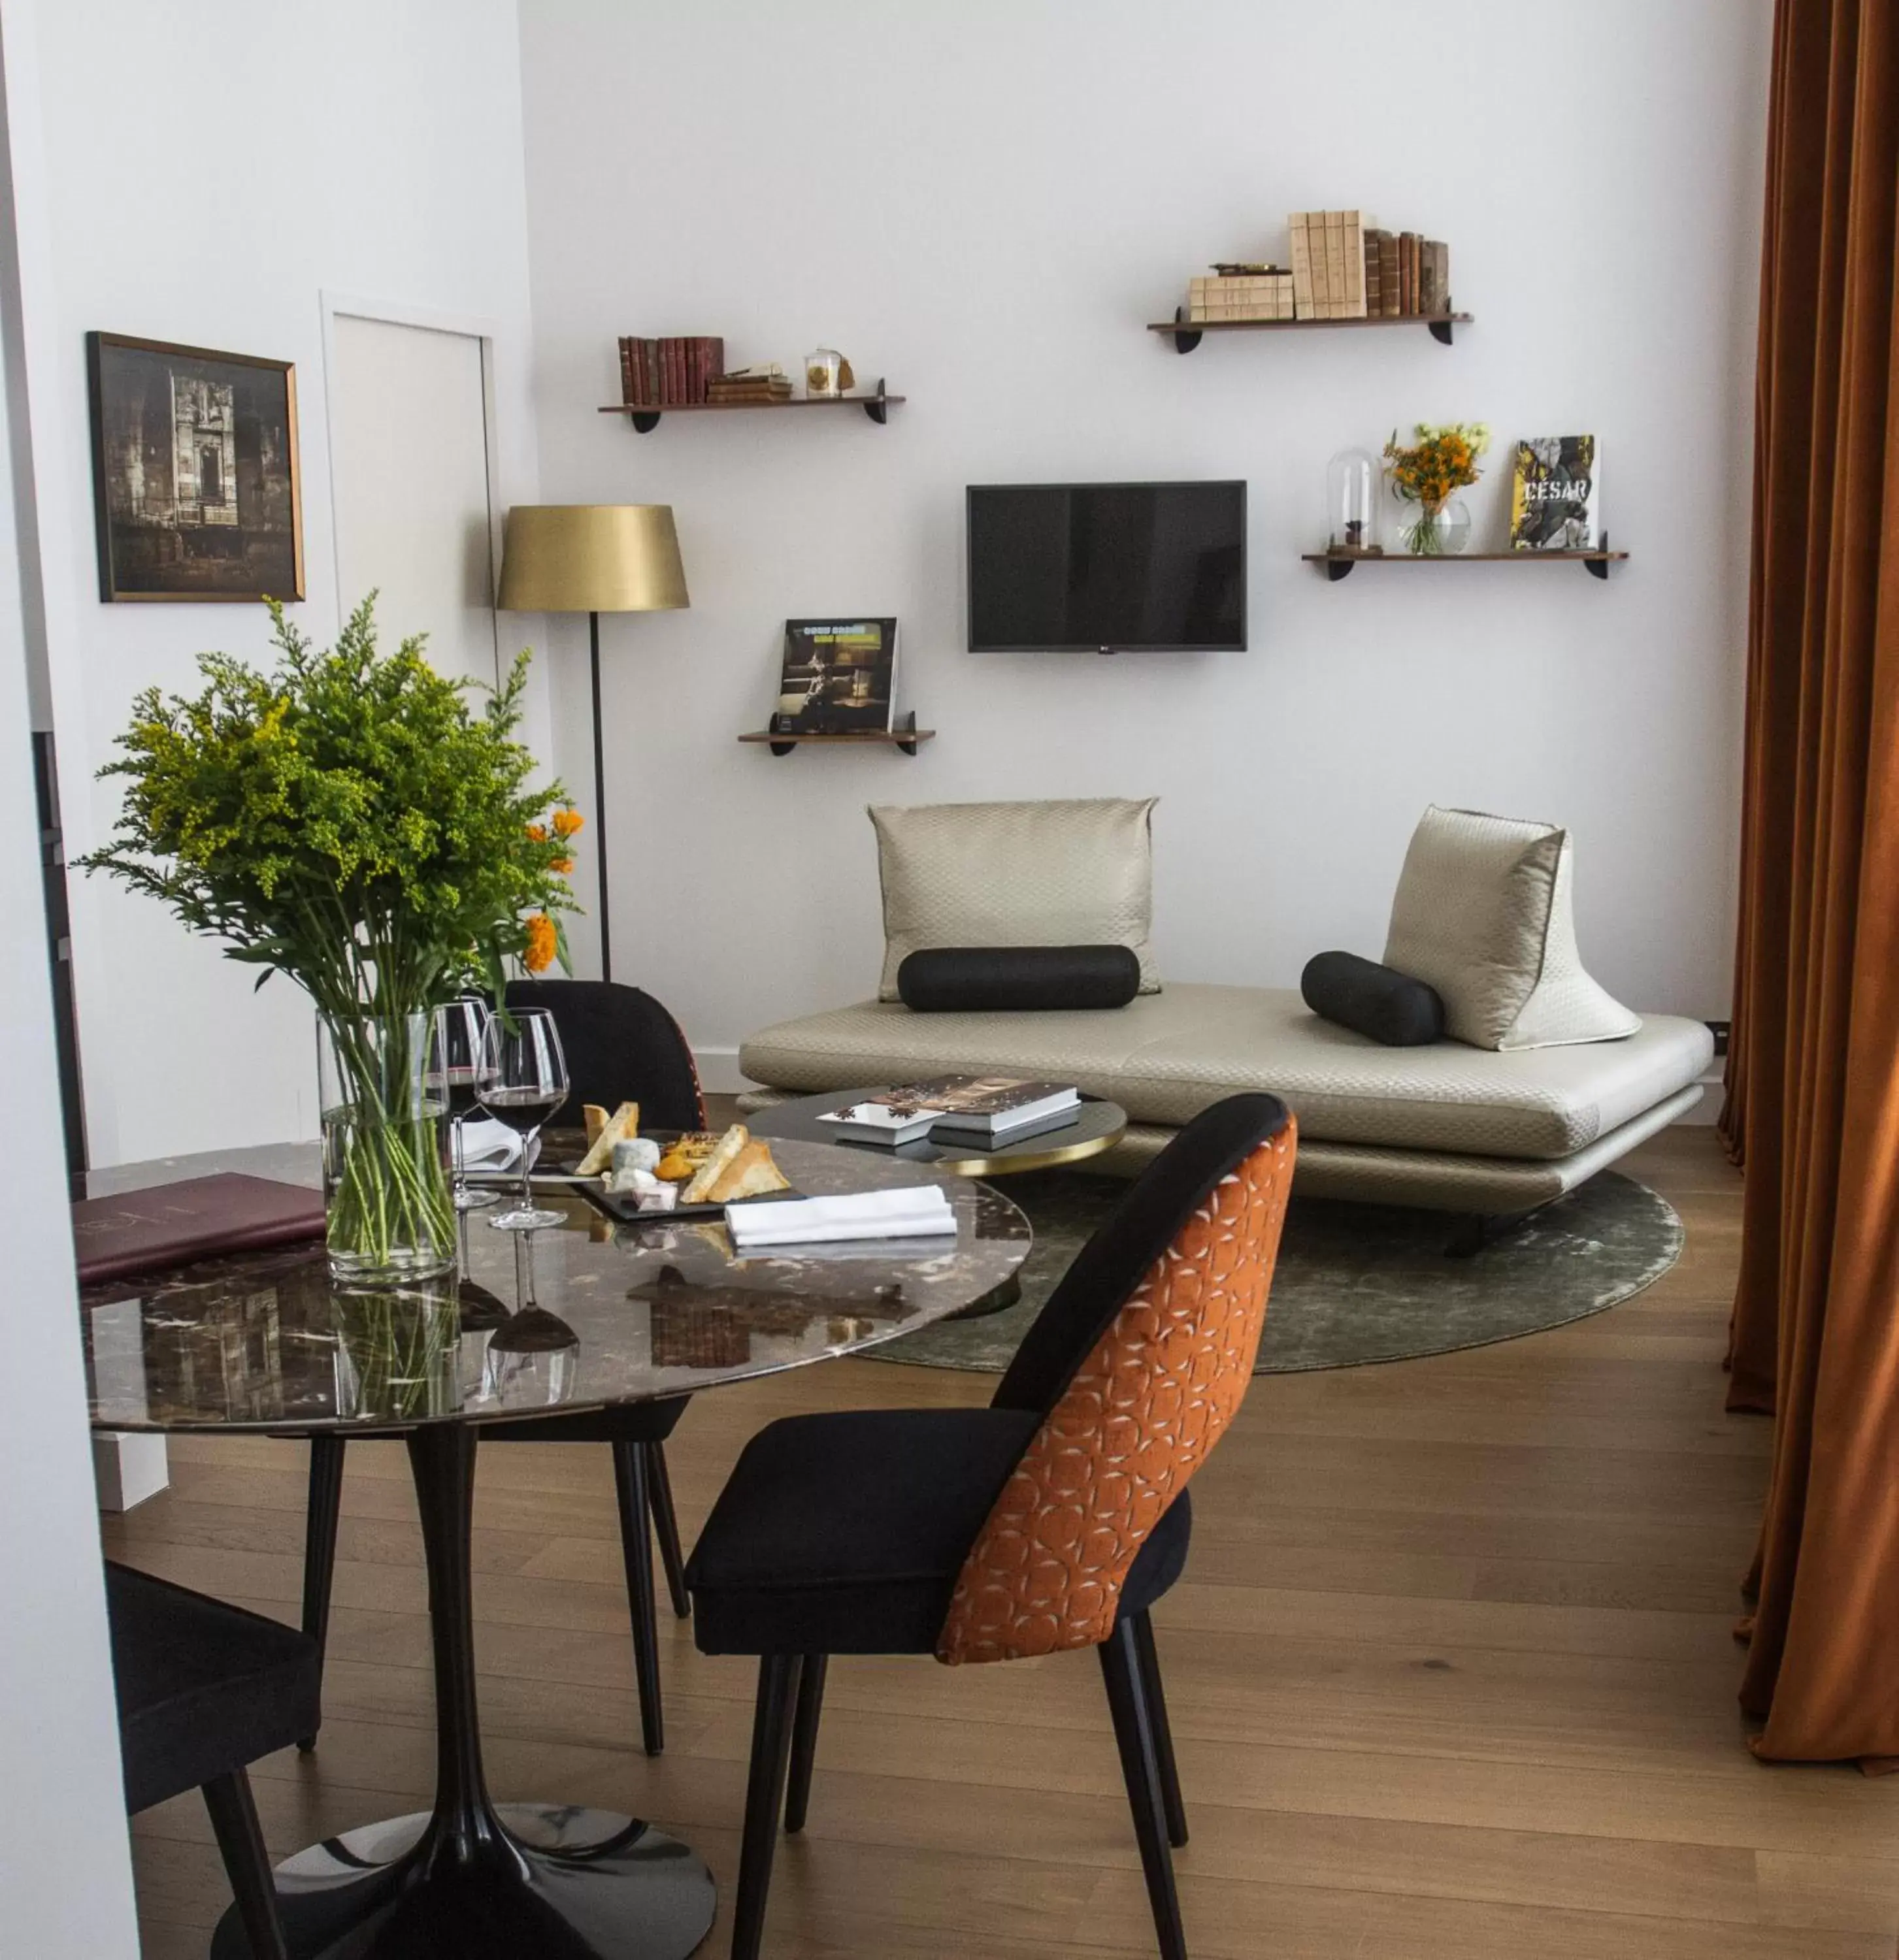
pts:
pixel 203 1688
pixel 844 1533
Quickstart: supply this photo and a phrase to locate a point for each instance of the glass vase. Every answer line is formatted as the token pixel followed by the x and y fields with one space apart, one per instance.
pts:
pixel 391 1219
pixel 1438 530
pixel 1351 479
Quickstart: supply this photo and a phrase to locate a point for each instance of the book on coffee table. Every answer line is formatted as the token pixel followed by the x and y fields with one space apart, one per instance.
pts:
pixel 961 1109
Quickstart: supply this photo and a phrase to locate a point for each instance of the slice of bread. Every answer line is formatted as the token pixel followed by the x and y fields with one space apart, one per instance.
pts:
pixel 750 1174
pixel 713 1169
pixel 624 1123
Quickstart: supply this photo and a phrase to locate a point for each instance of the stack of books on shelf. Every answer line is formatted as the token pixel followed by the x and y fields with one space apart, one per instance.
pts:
pixel 673 373
pixel 987 1111
pixel 1266 294
pixel 765 381
pixel 1343 268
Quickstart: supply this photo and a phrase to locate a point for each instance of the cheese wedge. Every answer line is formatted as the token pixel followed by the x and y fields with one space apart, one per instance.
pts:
pixel 624 1123
pixel 595 1117
pixel 750 1174
pixel 681 1157
pixel 713 1169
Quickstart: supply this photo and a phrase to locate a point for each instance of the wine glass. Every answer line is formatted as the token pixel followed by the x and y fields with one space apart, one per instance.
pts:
pixel 520 1080
pixel 454 1058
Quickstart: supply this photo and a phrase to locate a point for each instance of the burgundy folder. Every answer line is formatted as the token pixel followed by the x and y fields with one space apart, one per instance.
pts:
pixel 172 1224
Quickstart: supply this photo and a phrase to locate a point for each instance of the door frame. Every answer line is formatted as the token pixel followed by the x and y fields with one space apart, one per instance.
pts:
pixel 480 328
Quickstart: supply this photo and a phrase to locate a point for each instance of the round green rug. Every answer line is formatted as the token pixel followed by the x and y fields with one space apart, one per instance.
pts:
pixel 1359 1283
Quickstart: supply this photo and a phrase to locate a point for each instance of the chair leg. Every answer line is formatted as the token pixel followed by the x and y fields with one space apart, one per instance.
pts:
pixel 629 1481
pixel 764 1792
pixel 241 1839
pixel 1163 1731
pixel 810 1708
pixel 1134 1734
pixel 321 1512
pixel 659 1485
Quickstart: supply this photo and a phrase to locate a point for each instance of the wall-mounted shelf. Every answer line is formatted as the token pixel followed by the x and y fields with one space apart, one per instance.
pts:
pixel 1187 336
pixel 1337 564
pixel 876 405
pixel 905 736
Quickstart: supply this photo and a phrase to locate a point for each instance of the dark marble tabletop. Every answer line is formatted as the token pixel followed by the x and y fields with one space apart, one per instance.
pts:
pixel 582 1316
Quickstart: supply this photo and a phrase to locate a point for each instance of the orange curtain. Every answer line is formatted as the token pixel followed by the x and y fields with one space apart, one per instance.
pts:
pixel 1813 1105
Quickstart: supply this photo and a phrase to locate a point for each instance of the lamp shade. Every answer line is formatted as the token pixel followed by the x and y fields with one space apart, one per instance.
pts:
pixel 591 558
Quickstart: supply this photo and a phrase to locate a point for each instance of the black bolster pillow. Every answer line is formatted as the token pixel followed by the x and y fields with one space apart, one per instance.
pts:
pixel 1035 979
pixel 1389 1006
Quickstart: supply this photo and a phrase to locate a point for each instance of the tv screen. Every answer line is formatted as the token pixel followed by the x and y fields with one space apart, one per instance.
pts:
pixel 1107 567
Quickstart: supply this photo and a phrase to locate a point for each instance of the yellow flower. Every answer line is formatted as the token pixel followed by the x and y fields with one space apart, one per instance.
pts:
pixel 566 822
pixel 541 942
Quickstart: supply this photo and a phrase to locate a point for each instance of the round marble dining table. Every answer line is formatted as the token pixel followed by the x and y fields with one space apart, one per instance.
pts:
pixel 591 1315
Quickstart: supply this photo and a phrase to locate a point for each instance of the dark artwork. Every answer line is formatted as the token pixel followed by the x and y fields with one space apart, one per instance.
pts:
pixel 195 472
pixel 838 675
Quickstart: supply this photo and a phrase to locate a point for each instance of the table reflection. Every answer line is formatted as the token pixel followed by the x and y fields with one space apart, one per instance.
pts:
pixel 589 1313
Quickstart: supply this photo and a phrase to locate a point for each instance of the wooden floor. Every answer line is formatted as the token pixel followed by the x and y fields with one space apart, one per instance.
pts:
pixel 1452 1673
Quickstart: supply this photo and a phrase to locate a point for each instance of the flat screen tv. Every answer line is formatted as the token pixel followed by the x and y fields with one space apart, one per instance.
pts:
pixel 1107 567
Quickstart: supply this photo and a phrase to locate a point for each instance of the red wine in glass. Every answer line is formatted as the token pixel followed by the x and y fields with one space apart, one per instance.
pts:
pixel 522 1109
pixel 520 1080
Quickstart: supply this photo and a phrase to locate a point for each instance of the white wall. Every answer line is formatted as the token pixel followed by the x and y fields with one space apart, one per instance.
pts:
pixel 65 1871
pixel 201 173
pixel 984 202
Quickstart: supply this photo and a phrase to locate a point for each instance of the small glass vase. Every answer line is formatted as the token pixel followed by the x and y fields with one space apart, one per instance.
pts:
pixel 1438 530
pixel 391 1219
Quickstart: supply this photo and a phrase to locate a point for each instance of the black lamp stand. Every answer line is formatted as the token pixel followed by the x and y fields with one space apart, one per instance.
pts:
pixel 599 803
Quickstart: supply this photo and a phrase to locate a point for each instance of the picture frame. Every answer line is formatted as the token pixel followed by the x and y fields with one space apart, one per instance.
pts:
pixel 197 485
pixel 838 675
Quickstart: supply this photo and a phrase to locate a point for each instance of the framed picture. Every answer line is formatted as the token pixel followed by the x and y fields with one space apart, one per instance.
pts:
pixel 838 675
pixel 195 481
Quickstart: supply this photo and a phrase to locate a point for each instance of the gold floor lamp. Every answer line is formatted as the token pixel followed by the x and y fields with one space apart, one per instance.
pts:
pixel 592 558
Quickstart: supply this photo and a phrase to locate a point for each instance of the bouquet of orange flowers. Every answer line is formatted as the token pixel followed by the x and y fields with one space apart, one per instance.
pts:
pixel 1443 459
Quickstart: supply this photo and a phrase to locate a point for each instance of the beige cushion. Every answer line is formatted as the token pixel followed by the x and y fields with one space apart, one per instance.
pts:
pixel 1166 1056
pixel 1483 914
pixel 1060 873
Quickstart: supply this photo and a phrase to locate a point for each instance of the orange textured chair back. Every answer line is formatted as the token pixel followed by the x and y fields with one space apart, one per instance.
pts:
pixel 1133 1421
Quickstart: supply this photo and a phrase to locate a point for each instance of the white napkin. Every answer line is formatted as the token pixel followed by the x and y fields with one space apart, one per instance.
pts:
pixel 918 1211
pixel 488 1145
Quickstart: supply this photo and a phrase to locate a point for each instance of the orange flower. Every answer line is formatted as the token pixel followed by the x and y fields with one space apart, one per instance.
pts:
pixel 563 865
pixel 566 822
pixel 538 831
pixel 541 943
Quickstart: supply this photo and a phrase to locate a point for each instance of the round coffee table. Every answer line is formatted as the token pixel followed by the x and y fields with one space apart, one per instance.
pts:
pixel 1097 1126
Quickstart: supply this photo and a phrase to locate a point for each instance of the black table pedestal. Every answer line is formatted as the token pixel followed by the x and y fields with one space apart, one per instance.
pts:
pixel 560 1882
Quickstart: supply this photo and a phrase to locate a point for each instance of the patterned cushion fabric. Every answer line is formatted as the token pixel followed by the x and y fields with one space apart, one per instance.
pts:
pixel 1059 874
pixel 1483 913
pixel 1166 1056
pixel 1140 1415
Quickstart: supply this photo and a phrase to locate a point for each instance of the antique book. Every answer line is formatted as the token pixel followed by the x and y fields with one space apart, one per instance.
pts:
pixel 839 675
pixel 1555 494
pixel 1336 291
pixel 1427 278
pixel 1388 272
pixel 1374 287
pixel 1303 290
pixel 171 1224
pixel 1353 229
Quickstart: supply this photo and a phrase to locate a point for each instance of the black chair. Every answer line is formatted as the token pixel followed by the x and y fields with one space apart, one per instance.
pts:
pixel 204 1690
pixel 1053 1519
pixel 621 1045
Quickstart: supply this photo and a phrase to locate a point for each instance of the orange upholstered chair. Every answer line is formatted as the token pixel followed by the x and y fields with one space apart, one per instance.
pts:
pixel 1053 1519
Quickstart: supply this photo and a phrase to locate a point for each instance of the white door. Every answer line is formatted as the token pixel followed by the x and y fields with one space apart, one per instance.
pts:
pixel 410 447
